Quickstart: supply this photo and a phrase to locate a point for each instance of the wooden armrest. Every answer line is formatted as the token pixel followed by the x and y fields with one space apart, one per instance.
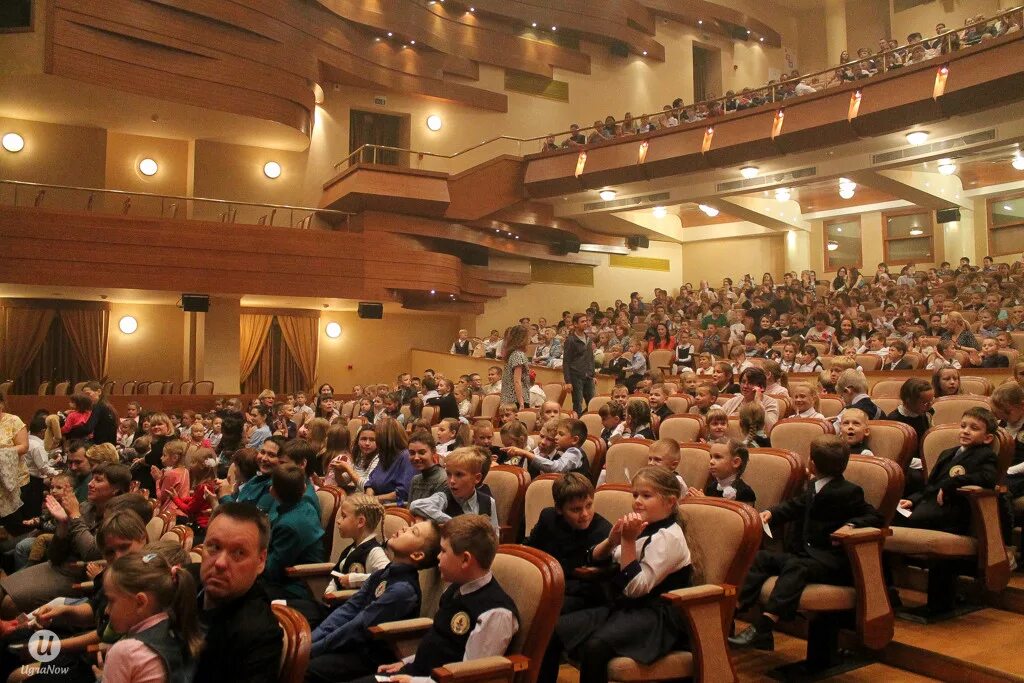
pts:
pixel 81 564
pixel 505 533
pixel 708 611
pixel 406 628
pixel 83 587
pixel 592 573
pixel 993 563
pixel 300 571
pixel 848 536
pixel 338 597
pixel 483 669
pixel 875 619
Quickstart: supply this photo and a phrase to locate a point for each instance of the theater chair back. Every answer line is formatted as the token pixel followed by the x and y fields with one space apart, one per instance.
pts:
pixel 685 427
pixel 796 433
pixel 625 455
pixel 949 409
pixel 896 441
pixel 881 479
pixel 538 497
pixel 508 486
pixel 694 459
pixel 775 474
pixel 296 645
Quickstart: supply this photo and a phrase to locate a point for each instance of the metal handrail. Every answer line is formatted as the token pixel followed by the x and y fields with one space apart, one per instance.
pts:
pixel 946 39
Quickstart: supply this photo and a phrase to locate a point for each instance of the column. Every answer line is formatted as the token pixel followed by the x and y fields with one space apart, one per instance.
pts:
pixel 835 29
pixel 216 345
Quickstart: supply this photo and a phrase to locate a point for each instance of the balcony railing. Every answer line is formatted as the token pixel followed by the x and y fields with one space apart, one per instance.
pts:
pixel 172 207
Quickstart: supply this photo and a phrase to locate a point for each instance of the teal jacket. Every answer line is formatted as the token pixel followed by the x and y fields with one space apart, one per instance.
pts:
pixel 295 538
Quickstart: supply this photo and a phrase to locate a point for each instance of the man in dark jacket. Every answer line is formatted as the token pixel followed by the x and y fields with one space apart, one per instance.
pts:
pixel 578 364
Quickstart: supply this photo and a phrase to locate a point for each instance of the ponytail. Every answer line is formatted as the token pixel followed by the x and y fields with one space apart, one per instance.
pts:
pixel 184 611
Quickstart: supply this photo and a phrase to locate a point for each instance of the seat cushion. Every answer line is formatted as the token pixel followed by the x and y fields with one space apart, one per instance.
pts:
pixel 819 597
pixel 928 542
pixel 674 665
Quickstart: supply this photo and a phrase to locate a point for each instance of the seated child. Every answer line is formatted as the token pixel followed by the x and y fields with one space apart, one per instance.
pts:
pixel 852 387
pixel 990 356
pixel 718 426
pixel 683 360
pixel 513 438
pixel 728 460
pixel 465 473
pixel 568 456
pixel 568 532
pixel 550 411
pixel 80 410
pixel 752 421
pixel 805 401
pixel 196 507
pixel 342 647
pixel 483 437
pixel 807 361
pixel 915 409
pixel 854 429
pixel 705 365
pixel 650 550
pixel 829 503
pixel 172 481
pixel 638 420
pixel 689 384
pixel 445 440
pixel 613 418
pixel 430 477
pixel 360 516
pixel 658 398
pixel 1008 406
pixel 665 453
pixel 475 617
pixel 707 400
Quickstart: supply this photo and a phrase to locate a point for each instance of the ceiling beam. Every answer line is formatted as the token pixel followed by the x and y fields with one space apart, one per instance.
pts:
pixel 768 213
pixel 927 190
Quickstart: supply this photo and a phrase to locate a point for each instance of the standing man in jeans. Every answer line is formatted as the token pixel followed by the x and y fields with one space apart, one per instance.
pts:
pixel 578 364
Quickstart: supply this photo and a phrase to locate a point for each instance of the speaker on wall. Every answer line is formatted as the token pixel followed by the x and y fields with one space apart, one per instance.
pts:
pixel 371 310
pixel 637 242
pixel 567 245
pixel 195 303
pixel 947 215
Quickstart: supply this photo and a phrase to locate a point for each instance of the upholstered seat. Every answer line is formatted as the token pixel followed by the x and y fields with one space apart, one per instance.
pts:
pixel 678 664
pixel 625 455
pixel 819 597
pixel 929 542
pixel 296 645
pixel 508 486
pixel 796 433
pixel 594 448
pixel 593 423
pixel 595 403
pixel 538 497
pixel 887 388
pixel 694 459
pixel 529 418
pixel 949 409
pixel 774 474
pixel 554 391
pixel 489 405
pixel 682 428
pixel 896 441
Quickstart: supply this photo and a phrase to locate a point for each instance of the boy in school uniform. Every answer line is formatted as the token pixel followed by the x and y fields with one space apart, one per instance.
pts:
pixel 707 399
pixel 430 477
pixel 568 456
pixel 828 504
pixel 657 400
pixel 568 531
pixel 483 437
pixel 342 647
pixel 665 453
pixel 465 473
pixel 613 421
pixel 1008 406
pixel 475 617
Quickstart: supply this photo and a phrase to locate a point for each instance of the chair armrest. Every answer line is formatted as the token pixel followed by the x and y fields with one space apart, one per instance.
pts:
pixel 993 564
pixel 592 573
pixel 84 587
pixel 875 618
pixel 505 533
pixel 338 597
pixel 483 669
pixel 406 628
pixel 301 571
pixel 707 609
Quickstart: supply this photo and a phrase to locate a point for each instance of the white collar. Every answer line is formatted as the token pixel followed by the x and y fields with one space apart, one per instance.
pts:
pixel 906 413
pixel 724 483
pixel 475 584
pixel 819 484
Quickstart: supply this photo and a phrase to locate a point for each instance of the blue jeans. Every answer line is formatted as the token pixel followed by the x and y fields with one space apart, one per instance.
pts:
pixel 582 392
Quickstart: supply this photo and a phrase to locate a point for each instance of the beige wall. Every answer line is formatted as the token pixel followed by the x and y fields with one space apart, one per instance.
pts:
pixel 23 53
pixel 124 152
pixel 733 257
pixel 866 22
pixel 378 350
pixel 922 18
pixel 154 351
pixel 811 45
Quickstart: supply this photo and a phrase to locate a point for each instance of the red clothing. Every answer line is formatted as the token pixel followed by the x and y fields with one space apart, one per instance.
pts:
pixel 174 484
pixel 76 418
pixel 670 344
pixel 195 506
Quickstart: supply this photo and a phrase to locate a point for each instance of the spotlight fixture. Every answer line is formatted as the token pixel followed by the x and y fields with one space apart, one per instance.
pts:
pixel 645 53
pixel 390 34
pixel 533 24
pixel 554 28
pixel 782 194
pixel 660 212
pixel 607 195
pixel 13 142
pixel 1018 162
pixel 833 245
pixel 749 172
pixel 128 325
pixel 947 167
pixel 412 42
pixel 148 167
pixel 272 170
pixel 333 330
pixel 916 232
pixel 709 211
pixel 434 122
pixel 917 137
pixel 433 292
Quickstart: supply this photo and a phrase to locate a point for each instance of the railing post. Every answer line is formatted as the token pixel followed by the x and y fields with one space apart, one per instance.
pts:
pixel 291 218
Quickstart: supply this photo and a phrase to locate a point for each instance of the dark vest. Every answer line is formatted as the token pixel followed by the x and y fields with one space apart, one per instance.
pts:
pixel 397 573
pixel 462 348
pixel 680 578
pixel 172 651
pixel 456 618
pixel 356 554
pixel 453 509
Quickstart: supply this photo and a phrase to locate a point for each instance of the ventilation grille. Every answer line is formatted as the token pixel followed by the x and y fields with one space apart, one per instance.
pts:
pixel 941 146
pixel 627 203
pixel 761 181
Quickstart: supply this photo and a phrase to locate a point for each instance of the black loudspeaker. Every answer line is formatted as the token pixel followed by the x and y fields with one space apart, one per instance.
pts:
pixel 637 242
pixel 371 310
pixel 947 215
pixel 567 245
pixel 195 303
pixel 619 49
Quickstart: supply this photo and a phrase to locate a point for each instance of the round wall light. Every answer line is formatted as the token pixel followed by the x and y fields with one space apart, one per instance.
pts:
pixel 1018 162
pixel 782 194
pixel 918 137
pixel 434 122
pixel 148 167
pixel 333 330
pixel 272 170
pixel 128 324
pixel 916 232
pixel 13 142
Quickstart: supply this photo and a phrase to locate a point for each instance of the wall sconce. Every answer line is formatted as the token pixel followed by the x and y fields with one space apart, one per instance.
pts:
pixel 272 170
pixel 128 325
pixel 434 122
pixel 333 330
pixel 148 167
pixel 13 142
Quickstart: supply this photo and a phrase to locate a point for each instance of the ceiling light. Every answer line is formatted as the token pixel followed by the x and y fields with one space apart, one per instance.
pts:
pixel 390 34
pixel 533 24
pixel 839 229
pixel 846 194
pixel 148 167
pixel 272 170
pixel 607 195
pixel 554 28
pixel 1018 162
pixel 1007 207
pixel 700 22
pixel 782 194
pixel 333 330
pixel 749 172
pixel 748 31
pixel 847 184
pixel 13 142
pixel 709 211
pixel 762 39
pixel 918 137
pixel 645 53
pixel 434 122
pixel 947 167
pixel 433 291
pixel 412 42
pixel 128 324
pixel 833 245
pixel 377 39
pixel 472 9
pixel 916 232
pixel 660 212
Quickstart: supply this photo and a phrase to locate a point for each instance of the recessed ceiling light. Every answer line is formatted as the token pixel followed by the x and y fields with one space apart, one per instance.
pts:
pixel 554 28
pixel 748 31
pixel 749 172
pixel 645 53
pixel 839 229
pixel 533 24
pixel 947 167
pixel 272 169
pixel 833 245
pixel 918 137
pixel 472 9
pixel 847 184
pixel 710 211
pixel 916 232
pixel 390 34
pixel 782 194
pixel 333 330
pixel 762 39
pixel 412 42
pixel 700 22
pixel 433 291
pixel 148 167
pixel 660 212
pixel 13 142
pixel 1007 207
pixel 607 195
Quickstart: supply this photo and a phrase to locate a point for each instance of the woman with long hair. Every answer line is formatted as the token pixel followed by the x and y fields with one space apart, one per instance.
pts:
pixel 390 480
pixel 661 339
pixel 515 386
